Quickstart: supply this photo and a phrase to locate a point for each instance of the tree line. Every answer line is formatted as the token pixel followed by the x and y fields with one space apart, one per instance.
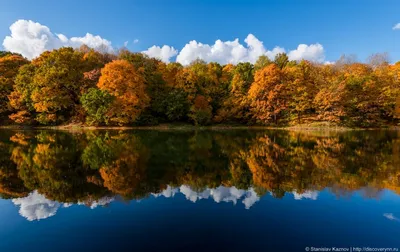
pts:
pixel 90 87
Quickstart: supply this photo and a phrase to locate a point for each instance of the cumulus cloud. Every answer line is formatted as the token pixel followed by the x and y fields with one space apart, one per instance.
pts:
pixel 36 207
pixel 234 52
pixel 314 52
pixel 313 195
pixel 126 43
pixel 164 53
pixel 396 26
pixel 31 39
pixel 219 194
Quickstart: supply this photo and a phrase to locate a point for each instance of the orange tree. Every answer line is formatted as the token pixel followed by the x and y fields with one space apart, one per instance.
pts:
pixel 268 94
pixel 121 80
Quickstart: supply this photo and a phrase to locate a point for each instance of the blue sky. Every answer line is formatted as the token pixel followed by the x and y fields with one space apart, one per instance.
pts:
pixel 360 27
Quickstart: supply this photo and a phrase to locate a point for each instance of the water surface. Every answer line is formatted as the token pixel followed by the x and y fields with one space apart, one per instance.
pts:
pixel 235 190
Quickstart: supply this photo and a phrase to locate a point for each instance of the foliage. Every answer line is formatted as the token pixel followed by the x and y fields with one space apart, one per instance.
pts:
pixel 200 111
pixel 121 80
pixel 268 94
pixel 9 66
pixel 86 166
pixel 75 85
pixel 262 62
pixel 97 104
pixel 176 105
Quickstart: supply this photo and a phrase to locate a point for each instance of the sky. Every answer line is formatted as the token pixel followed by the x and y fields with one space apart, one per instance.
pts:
pixel 182 31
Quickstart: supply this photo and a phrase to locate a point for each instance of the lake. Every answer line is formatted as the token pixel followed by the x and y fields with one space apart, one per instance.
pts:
pixel 206 190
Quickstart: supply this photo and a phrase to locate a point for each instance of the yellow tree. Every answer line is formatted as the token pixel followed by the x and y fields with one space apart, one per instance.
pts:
pixel 268 94
pixel 330 100
pixel 120 79
pixel 303 83
pixel 20 99
pixel 51 84
pixel 235 106
pixel 388 77
pixel 397 109
pixel 9 66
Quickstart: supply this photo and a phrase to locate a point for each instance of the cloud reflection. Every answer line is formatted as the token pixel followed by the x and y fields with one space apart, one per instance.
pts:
pixel 219 194
pixel 390 216
pixel 35 206
pixel 313 195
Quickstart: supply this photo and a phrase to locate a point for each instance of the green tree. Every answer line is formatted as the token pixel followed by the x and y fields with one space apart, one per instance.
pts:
pixel 54 86
pixel 201 111
pixel 262 62
pixel 97 104
pixel 281 60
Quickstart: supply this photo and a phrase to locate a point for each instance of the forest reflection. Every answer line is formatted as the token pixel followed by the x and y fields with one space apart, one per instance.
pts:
pixel 41 171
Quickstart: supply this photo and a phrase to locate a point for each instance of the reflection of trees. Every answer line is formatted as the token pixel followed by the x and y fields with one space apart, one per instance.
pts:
pixel 125 173
pixel 86 166
pixel 11 185
pixel 345 162
pixel 51 164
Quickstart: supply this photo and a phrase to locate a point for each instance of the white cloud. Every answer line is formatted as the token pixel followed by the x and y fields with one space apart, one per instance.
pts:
pixel 390 216
pixel 36 207
pixel 126 43
pixel 164 53
pixel 235 52
pixel 313 195
pixel 225 52
pixel 396 26
pixel 219 194
pixel 91 41
pixel 329 62
pixel 314 52
pixel 31 39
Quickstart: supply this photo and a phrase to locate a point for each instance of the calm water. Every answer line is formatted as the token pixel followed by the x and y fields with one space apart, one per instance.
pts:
pixel 233 190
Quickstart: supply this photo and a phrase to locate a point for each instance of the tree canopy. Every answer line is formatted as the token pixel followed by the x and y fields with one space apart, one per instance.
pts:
pixel 90 87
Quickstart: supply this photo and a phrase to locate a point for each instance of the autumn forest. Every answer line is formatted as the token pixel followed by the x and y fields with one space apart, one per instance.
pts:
pixel 89 87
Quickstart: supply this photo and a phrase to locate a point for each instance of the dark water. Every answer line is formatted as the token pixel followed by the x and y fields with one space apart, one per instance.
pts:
pixel 231 190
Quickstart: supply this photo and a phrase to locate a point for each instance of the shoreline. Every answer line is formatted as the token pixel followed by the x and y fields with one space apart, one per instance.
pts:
pixel 194 127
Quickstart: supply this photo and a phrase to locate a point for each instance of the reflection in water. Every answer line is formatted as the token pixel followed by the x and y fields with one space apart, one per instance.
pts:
pixel 219 194
pixel 35 206
pixel 42 171
pixel 306 195
pixel 390 216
